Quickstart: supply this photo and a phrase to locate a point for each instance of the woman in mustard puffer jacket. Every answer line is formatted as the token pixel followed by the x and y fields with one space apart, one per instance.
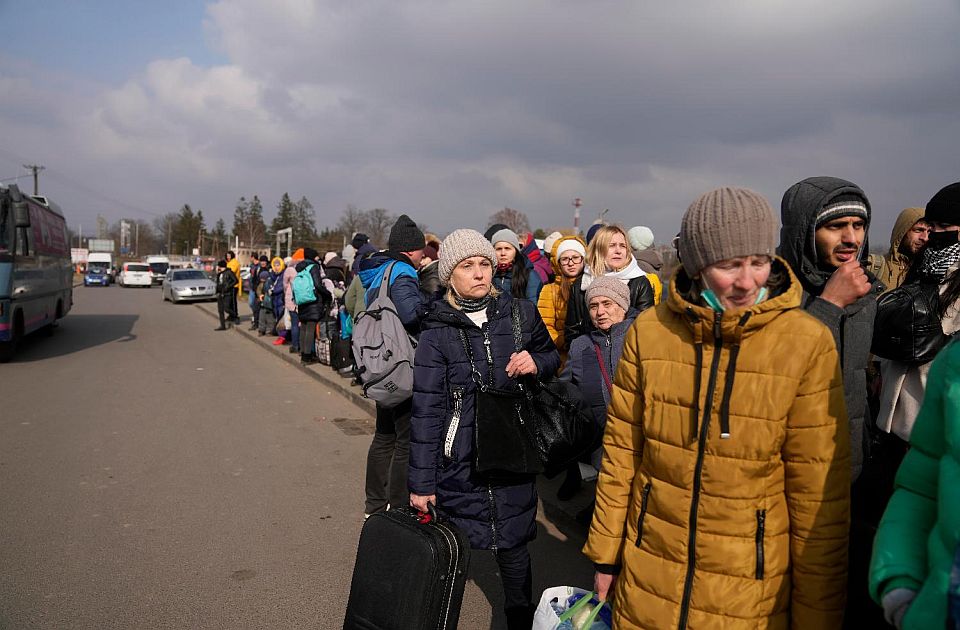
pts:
pixel 723 498
pixel 568 258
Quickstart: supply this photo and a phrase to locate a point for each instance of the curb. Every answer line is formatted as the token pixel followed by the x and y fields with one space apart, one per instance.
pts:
pixel 332 381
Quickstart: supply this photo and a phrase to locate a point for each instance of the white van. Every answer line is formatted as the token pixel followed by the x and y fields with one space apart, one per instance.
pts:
pixel 158 268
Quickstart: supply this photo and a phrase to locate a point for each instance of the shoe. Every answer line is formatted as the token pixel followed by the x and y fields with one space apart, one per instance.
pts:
pixel 261 333
pixel 294 350
pixel 308 359
pixel 279 341
pixel 253 326
pixel 220 328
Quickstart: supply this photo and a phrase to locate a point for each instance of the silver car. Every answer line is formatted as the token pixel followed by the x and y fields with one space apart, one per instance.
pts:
pixel 180 285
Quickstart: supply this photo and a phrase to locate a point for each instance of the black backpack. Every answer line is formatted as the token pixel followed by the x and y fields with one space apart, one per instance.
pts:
pixel 907 327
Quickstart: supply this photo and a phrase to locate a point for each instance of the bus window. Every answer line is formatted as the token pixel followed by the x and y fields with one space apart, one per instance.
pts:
pixel 23 242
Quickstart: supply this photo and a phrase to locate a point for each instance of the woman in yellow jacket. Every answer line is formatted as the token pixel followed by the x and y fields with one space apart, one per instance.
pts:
pixel 567 256
pixel 723 499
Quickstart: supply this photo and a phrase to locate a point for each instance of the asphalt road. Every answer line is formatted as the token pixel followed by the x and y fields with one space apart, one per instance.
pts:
pixel 157 474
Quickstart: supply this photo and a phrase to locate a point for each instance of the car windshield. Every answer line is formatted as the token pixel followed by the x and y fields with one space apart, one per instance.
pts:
pixel 138 268
pixel 189 274
pixel 98 267
pixel 159 267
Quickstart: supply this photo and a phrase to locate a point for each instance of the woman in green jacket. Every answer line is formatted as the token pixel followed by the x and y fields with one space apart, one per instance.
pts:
pixel 917 540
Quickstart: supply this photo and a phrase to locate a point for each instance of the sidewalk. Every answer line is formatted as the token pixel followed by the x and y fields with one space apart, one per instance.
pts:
pixel 547 488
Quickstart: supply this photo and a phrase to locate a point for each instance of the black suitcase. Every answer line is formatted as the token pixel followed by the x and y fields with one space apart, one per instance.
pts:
pixel 341 354
pixel 410 573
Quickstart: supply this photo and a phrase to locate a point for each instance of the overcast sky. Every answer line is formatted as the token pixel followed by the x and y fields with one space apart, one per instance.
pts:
pixel 448 110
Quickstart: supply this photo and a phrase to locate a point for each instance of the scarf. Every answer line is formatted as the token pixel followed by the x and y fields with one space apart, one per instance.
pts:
pixel 468 305
pixel 628 273
pixel 504 267
pixel 936 262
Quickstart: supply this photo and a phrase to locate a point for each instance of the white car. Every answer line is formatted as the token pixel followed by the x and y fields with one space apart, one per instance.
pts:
pixel 187 284
pixel 135 275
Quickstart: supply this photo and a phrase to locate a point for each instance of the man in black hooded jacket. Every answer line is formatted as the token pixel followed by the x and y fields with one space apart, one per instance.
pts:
pixel 824 240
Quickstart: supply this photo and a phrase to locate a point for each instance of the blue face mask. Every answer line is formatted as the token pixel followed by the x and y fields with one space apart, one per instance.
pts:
pixel 708 296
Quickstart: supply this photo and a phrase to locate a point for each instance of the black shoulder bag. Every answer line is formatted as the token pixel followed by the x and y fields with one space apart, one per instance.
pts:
pixel 907 327
pixel 504 440
pixel 564 433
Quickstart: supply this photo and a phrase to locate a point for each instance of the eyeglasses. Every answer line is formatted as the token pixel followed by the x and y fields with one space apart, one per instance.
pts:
pixel 571 260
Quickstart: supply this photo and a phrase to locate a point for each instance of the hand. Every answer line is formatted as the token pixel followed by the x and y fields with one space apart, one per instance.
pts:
pixel 420 501
pixel 521 363
pixel 848 284
pixel 603 584
pixel 895 604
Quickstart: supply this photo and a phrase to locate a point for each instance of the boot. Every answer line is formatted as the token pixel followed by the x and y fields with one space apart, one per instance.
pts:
pixel 220 328
pixel 519 618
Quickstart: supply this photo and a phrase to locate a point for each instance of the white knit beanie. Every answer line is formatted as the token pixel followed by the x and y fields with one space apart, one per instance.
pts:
pixel 571 245
pixel 460 245
pixel 549 242
pixel 640 237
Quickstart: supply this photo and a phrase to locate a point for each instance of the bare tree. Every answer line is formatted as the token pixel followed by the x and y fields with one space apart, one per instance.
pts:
pixel 514 219
pixel 379 222
pixel 352 221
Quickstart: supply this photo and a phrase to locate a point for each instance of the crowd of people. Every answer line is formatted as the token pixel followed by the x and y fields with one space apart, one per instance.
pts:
pixel 779 415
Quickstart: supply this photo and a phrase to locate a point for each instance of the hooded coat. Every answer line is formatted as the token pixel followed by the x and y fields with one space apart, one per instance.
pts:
pixel 404 286
pixel 891 270
pixel 316 310
pixel 920 530
pixel 552 306
pixel 748 531
pixel 503 280
pixel 852 327
pixel 492 516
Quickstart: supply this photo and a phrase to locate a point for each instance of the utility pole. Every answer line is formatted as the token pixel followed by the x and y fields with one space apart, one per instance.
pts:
pixel 36 168
pixel 136 250
pixel 576 216
pixel 169 236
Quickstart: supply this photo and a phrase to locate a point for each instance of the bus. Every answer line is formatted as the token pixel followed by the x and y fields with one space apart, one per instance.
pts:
pixel 36 276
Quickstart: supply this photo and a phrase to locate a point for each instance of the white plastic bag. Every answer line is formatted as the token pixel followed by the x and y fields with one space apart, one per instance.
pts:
pixel 284 323
pixel 555 613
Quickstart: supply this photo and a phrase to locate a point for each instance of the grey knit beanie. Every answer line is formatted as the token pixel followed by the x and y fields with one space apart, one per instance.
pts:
pixel 726 223
pixel 612 288
pixel 506 235
pixel 460 245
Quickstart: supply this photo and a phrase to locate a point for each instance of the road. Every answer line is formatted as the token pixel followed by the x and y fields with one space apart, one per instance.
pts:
pixel 155 473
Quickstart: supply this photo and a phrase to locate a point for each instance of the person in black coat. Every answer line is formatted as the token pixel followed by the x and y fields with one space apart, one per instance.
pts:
pixel 496 516
pixel 608 254
pixel 310 313
pixel 226 288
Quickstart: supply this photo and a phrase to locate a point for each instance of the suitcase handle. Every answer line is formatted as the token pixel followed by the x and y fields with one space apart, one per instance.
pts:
pixel 428 516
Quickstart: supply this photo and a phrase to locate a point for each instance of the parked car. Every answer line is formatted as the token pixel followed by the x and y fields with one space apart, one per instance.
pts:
pixel 188 284
pixel 135 275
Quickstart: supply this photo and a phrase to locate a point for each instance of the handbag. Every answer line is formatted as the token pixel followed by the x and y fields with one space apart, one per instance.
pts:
pixel 504 439
pixel 563 607
pixel 907 327
pixel 563 432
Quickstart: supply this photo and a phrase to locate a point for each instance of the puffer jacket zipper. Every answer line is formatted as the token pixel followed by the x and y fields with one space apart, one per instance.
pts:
pixel 761 525
pixel 645 496
pixel 698 473
pixel 494 534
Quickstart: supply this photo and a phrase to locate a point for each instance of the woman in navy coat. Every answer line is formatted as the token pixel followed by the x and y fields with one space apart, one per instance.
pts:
pixel 494 516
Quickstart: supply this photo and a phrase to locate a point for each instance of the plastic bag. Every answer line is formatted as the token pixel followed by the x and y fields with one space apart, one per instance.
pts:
pixel 284 323
pixel 571 608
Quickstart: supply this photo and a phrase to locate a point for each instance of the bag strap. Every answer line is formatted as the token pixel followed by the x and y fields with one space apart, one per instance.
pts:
pixel 603 368
pixel 517 330
pixel 477 377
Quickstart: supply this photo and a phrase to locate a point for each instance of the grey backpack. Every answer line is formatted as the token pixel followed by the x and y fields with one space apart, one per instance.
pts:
pixel 384 350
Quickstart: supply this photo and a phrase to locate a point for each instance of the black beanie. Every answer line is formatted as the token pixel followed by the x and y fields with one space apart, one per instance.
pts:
pixel 359 239
pixel 310 253
pixel 264 259
pixel 405 236
pixel 945 206
pixel 493 229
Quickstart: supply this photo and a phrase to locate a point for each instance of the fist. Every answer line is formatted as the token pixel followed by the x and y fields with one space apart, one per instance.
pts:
pixel 848 284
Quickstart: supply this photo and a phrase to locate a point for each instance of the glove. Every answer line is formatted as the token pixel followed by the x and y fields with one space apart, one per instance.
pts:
pixel 895 605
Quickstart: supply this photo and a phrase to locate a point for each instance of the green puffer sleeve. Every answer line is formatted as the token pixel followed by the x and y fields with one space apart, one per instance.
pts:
pixel 900 548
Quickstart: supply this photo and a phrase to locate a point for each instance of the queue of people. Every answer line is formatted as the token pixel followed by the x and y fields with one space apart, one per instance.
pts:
pixel 752 418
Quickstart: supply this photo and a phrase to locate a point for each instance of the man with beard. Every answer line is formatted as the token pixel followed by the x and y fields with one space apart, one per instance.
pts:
pixel 824 240
pixel 907 241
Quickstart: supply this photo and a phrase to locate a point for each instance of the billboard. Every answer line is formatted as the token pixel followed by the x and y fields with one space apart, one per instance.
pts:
pixel 100 245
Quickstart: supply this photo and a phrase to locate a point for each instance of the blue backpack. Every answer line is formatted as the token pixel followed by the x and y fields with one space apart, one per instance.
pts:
pixel 304 291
